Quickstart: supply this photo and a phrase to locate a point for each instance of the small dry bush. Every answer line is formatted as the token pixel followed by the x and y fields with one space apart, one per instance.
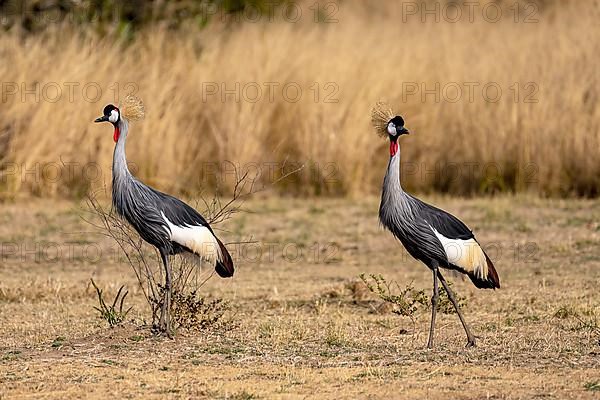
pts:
pixel 407 301
pixel 191 312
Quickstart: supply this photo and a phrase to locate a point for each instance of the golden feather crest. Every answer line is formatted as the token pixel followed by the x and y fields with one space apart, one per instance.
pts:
pixel 132 108
pixel 380 116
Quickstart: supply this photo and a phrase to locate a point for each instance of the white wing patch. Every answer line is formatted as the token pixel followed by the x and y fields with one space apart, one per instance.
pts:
pixel 197 238
pixel 466 254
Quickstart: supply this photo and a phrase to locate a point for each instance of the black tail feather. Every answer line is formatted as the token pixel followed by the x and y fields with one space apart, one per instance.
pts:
pixel 225 267
pixel 492 281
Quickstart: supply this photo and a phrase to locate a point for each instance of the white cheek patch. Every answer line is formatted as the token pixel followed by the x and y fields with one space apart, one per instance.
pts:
pixel 391 128
pixel 114 116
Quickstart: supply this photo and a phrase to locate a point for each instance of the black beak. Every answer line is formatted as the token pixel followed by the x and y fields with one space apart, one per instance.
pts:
pixel 403 131
pixel 103 118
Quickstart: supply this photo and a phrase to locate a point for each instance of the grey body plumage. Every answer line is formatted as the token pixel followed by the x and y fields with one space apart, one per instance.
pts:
pixel 411 221
pixel 429 234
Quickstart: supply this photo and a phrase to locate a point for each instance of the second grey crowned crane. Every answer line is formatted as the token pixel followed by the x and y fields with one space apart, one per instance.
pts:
pixel 433 236
pixel 164 221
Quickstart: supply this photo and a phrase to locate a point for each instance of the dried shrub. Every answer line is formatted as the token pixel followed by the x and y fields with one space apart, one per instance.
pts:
pixel 406 301
pixel 194 313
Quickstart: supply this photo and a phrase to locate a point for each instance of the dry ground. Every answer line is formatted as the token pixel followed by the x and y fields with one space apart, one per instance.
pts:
pixel 305 328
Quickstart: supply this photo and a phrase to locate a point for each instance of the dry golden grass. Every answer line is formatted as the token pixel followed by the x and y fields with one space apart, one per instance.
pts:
pixel 307 328
pixel 370 54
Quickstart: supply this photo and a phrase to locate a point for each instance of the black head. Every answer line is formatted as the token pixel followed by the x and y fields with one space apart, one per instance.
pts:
pixel 395 128
pixel 111 114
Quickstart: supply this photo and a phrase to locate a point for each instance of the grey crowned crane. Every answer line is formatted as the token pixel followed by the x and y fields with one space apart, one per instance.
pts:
pixel 163 221
pixel 433 236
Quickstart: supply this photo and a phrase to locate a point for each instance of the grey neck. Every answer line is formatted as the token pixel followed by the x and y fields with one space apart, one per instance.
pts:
pixel 120 169
pixel 396 205
pixel 391 182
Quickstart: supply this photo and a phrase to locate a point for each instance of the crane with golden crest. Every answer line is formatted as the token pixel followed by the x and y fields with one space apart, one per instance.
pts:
pixel 162 220
pixel 429 234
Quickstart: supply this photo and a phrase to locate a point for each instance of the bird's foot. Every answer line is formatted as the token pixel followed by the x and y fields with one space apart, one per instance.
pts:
pixel 471 343
pixel 162 330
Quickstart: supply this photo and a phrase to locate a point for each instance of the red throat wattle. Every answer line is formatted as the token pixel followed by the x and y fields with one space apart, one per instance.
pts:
pixel 393 148
pixel 116 134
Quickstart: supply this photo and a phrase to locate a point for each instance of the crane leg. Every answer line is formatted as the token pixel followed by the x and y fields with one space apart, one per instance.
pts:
pixel 434 303
pixel 164 324
pixel 470 337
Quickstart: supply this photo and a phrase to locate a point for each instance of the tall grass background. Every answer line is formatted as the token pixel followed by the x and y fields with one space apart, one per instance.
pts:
pixel 185 143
